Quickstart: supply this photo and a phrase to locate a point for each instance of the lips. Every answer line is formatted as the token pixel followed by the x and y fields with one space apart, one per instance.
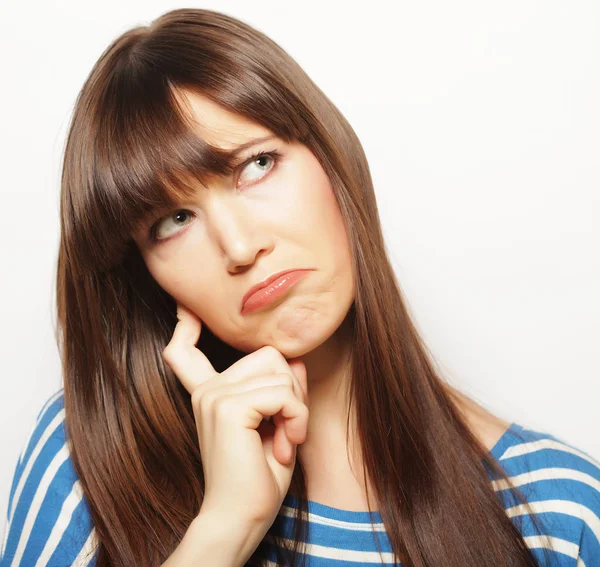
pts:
pixel 265 283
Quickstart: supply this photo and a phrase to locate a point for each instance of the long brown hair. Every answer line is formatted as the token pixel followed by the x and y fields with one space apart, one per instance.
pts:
pixel 129 421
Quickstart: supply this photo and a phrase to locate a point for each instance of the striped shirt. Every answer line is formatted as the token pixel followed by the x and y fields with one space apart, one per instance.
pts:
pixel 48 520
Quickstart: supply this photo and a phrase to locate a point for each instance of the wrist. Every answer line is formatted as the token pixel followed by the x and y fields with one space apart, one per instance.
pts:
pixel 213 540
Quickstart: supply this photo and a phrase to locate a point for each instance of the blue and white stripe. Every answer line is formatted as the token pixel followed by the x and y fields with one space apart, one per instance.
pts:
pixel 48 521
pixel 49 525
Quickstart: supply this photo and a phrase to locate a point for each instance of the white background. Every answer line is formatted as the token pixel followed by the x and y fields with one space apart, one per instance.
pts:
pixel 481 122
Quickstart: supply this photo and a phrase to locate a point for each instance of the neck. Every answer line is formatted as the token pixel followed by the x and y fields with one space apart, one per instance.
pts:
pixel 328 376
pixel 328 370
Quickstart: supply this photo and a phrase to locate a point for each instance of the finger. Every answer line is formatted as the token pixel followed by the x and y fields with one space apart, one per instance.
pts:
pixel 251 406
pixel 267 360
pixel 278 460
pixel 283 448
pixel 258 363
pixel 299 370
pixel 189 363
pixel 220 388
pixel 270 360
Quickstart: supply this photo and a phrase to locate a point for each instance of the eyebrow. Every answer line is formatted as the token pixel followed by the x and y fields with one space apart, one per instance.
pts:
pixel 235 151
pixel 231 154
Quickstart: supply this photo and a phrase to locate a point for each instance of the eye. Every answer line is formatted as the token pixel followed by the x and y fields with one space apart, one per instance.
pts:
pixel 182 216
pixel 262 163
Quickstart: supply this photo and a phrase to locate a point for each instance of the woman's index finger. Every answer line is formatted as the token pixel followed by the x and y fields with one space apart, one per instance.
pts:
pixel 189 363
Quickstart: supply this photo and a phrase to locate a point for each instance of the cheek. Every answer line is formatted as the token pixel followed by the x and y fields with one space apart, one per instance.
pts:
pixel 185 281
pixel 326 220
pixel 191 284
pixel 313 204
pixel 337 227
pixel 334 243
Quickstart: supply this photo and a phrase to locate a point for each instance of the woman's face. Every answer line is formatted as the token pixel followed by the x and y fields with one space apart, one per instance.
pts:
pixel 272 214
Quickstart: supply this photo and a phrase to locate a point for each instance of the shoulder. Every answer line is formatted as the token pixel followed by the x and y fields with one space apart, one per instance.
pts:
pixel 48 521
pixel 561 483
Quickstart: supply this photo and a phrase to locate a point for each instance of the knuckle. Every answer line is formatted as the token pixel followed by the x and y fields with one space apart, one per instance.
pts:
pixel 304 411
pixel 287 380
pixel 271 352
pixel 198 397
pixel 223 407
pixel 207 401
pixel 168 354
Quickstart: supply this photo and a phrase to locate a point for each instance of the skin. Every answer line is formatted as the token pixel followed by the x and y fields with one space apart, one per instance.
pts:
pixel 270 216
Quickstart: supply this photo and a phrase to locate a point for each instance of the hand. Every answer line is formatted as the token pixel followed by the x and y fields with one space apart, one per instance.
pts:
pixel 247 462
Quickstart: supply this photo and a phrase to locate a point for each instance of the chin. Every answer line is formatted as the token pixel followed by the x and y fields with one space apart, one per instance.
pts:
pixel 289 347
pixel 297 336
pixel 294 349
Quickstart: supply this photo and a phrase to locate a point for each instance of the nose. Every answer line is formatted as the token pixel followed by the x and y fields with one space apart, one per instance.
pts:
pixel 238 233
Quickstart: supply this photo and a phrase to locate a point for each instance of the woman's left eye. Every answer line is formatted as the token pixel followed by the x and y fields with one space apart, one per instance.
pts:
pixel 261 165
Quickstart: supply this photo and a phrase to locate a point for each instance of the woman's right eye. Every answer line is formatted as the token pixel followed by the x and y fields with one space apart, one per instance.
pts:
pixel 156 235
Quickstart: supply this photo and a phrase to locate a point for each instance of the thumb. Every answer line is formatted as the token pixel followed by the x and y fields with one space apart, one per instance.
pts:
pixel 189 363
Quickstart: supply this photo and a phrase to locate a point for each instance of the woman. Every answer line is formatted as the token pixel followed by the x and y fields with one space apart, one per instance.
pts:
pixel 237 352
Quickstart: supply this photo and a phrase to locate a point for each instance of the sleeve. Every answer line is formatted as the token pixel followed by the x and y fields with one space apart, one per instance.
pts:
pixel 48 522
pixel 589 544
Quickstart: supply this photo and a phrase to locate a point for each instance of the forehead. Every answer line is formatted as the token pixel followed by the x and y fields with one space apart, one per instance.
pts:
pixel 215 124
